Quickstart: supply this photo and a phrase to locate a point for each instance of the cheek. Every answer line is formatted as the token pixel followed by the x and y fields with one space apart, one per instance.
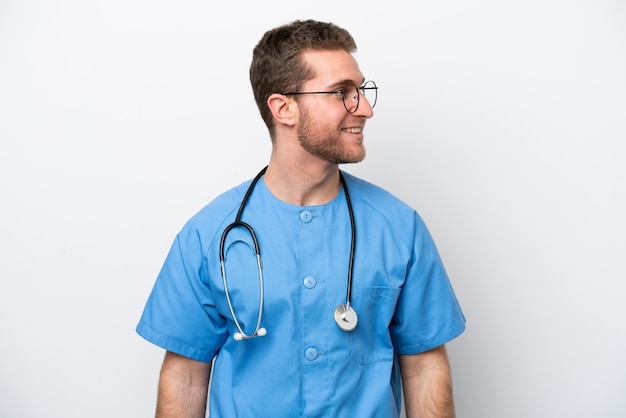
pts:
pixel 315 129
pixel 323 121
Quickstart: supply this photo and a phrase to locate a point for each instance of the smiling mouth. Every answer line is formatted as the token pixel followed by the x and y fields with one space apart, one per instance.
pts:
pixel 355 130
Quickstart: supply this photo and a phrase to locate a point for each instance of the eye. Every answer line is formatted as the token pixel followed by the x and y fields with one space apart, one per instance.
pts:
pixel 351 92
pixel 340 93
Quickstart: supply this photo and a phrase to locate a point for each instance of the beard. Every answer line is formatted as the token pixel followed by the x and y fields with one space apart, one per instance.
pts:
pixel 326 143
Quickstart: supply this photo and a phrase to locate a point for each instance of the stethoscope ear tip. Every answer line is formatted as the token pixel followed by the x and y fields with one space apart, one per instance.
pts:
pixel 240 336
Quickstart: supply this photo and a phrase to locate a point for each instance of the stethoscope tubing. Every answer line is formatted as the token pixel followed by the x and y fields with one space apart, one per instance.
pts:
pixel 242 334
pixel 257 250
pixel 341 311
pixel 352 239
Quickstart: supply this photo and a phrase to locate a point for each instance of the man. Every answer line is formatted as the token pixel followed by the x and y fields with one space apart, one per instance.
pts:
pixel 306 292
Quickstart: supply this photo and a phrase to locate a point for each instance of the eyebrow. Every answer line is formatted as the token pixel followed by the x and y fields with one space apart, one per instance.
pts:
pixel 337 85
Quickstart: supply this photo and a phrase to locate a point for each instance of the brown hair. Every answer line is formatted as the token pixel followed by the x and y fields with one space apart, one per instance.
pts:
pixel 276 60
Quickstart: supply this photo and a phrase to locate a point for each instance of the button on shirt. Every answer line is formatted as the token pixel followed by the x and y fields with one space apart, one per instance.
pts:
pixel 400 291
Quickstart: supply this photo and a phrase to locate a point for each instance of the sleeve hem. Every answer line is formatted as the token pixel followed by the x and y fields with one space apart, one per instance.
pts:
pixel 171 344
pixel 440 339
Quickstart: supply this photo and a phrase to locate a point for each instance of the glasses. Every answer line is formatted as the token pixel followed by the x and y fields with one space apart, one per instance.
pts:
pixel 350 94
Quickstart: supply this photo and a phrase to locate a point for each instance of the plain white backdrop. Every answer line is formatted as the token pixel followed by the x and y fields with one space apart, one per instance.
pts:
pixel 502 123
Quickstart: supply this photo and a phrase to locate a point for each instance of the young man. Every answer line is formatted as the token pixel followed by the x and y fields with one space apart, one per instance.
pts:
pixel 314 293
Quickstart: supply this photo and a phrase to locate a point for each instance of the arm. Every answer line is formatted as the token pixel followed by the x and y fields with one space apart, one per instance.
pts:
pixel 427 384
pixel 183 387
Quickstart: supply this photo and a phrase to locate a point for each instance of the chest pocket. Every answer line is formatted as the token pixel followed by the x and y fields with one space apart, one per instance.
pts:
pixel 370 341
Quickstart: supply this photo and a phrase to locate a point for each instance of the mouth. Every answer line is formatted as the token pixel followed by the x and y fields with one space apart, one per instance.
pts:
pixel 354 130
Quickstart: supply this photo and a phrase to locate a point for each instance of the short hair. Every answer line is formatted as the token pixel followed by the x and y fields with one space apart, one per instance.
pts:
pixel 277 64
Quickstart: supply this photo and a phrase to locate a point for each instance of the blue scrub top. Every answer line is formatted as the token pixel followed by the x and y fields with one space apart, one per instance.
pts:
pixel 305 365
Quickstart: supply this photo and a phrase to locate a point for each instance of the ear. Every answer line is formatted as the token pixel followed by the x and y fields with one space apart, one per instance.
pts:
pixel 283 108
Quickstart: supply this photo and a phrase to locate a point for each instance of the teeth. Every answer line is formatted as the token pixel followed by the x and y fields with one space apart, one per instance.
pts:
pixel 354 130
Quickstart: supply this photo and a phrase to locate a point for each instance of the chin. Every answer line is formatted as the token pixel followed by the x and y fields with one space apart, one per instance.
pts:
pixel 351 160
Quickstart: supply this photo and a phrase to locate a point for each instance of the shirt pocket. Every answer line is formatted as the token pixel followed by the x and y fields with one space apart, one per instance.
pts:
pixel 370 341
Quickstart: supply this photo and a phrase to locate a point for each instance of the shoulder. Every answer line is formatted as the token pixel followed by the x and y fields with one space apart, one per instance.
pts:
pixel 381 205
pixel 377 198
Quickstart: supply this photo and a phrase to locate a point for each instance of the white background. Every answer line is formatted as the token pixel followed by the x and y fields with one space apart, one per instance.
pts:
pixel 503 123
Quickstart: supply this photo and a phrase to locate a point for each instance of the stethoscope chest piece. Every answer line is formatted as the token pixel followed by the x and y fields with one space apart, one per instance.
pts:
pixel 346 317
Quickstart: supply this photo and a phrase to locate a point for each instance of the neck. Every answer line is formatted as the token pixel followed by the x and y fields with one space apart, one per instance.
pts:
pixel 303 184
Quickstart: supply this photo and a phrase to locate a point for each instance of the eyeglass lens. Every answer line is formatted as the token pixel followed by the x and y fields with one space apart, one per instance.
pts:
pixel 352 95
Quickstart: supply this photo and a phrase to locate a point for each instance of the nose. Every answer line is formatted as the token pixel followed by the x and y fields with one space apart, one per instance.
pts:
pixel 364 109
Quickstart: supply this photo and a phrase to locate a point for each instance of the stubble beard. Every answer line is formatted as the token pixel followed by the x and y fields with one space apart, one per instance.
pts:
pixel 326 144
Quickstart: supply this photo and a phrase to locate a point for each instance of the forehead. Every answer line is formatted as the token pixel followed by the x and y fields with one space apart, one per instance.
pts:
pixel 332 66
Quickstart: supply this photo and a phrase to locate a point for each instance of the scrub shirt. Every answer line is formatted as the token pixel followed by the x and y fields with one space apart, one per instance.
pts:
pixel 305 365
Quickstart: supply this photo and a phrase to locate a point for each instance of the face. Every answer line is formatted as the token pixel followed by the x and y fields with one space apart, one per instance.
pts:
pixel 326 130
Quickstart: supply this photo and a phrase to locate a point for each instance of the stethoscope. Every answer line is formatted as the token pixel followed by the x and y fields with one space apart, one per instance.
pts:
pixel 345 315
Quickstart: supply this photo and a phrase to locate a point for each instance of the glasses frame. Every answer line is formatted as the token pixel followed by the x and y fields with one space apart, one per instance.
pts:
pixel 360 90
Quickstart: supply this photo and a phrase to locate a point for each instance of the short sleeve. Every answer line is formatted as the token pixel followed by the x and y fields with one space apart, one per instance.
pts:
pixel 180 315
pixel 428 313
